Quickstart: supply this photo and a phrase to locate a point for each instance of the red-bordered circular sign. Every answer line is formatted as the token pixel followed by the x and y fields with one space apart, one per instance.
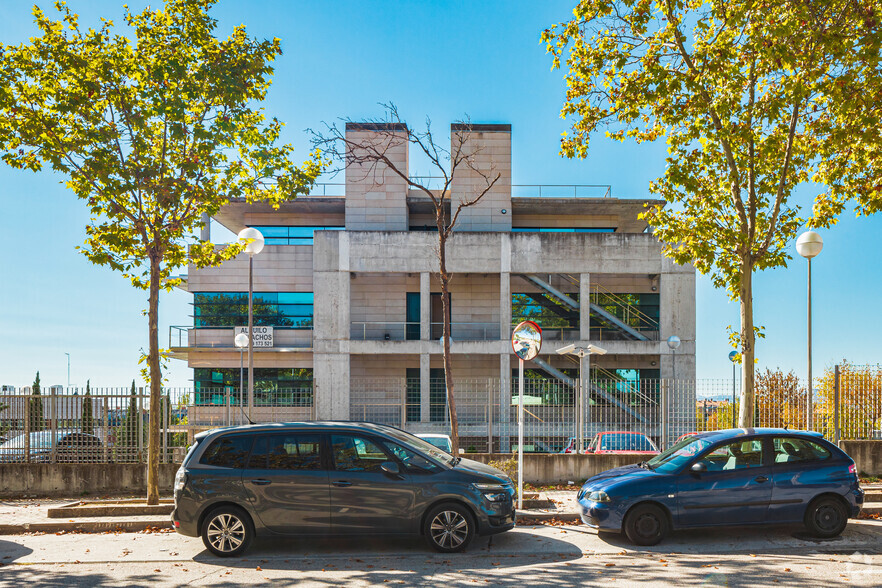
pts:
pixel 526 340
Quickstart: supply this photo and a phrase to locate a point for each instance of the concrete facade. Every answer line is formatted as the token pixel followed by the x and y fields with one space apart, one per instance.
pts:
pixel 362 278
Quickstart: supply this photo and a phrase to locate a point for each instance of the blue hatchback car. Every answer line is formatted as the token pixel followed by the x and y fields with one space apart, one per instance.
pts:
pixel 732 477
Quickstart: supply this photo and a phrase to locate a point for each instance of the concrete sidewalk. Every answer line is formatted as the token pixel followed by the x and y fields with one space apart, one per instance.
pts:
pixel 28 515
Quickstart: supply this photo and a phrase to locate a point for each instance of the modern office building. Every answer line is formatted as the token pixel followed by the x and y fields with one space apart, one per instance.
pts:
pixel 347 283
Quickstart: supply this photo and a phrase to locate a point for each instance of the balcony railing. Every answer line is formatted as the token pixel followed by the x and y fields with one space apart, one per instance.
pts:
pixel 223 337
pixel 404 331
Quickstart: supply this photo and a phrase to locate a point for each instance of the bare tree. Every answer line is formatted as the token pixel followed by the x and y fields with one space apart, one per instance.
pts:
pixel 371 158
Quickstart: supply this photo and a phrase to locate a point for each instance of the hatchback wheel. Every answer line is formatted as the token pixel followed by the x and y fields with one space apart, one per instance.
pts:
pixel 646 524
pixel 826 517
pixel 449 528
pixel 227 531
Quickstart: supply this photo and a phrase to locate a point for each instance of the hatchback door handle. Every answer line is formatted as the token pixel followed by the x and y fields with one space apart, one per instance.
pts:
pixel 260 482
pixel 761 479
pixel 342 483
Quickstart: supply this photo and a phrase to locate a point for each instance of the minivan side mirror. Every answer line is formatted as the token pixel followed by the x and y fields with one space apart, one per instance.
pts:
pixel 699 467
pixel 461 451
pixel 391 468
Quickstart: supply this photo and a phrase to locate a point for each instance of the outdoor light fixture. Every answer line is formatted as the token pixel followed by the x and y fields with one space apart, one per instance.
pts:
pixel 581 352
pixel 253 241
pixel 809 245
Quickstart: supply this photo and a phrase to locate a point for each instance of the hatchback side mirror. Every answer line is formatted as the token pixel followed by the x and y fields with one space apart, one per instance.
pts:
pixel 391 468
pixel 699 467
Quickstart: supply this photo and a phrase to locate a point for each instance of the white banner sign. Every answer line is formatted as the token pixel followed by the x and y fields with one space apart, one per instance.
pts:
pixel 263 336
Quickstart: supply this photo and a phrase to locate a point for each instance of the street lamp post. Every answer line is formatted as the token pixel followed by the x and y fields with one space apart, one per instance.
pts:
pixel 68 372
pixel 581 352
pixel 241 342
pixel 809 245
pixel 253 241
pixel 733 355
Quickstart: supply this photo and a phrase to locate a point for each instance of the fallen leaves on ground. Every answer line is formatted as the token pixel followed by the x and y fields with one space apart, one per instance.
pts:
pixel 552 522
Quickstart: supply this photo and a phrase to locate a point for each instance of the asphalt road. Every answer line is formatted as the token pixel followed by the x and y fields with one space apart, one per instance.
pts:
pixel 563 557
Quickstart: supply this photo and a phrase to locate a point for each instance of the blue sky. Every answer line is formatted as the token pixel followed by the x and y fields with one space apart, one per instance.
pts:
pixel 443 60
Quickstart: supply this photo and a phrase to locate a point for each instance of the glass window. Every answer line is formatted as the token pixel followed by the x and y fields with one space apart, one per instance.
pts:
pixel 546 311
pixel 357 454
pixel 625 442
pixel 414 397
pixel 228 452
pixel 413 463
pixel 292 310
pixel 734 456
pixel 677 456
pixel 286 452
pixel 789 449
pixel 272 386
pixel 292 235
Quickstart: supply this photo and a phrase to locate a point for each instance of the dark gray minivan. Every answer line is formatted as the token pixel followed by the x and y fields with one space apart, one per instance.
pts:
pixel 334 478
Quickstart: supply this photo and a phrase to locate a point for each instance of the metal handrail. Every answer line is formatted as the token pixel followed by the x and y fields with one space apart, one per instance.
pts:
pixel 324 190
pixel 607 190
pixel 397 330
pixel 181 332
pixel 598 289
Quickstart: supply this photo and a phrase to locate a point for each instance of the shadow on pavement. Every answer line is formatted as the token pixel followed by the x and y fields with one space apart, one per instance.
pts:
pixel 753 539
pixel 337 552
pixel 10 552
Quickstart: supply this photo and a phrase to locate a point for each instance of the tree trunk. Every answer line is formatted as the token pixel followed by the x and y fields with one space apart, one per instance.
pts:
pixel 746 414
pixel 448 364
pixel 155 382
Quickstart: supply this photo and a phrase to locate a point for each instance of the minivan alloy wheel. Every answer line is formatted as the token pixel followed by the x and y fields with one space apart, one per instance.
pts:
pixel 226 532
pixel 449 529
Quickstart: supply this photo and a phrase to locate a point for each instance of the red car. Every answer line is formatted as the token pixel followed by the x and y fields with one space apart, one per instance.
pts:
pixel 621 442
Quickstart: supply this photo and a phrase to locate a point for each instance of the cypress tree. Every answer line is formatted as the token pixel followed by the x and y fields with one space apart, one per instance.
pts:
pixel 88 424
pixel 36 406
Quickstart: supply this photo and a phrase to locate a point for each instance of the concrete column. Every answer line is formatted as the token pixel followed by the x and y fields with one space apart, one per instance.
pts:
pixel 425 365
pixel 425 305
pixel 585 307
pixel 503 430
pixel 505 305
pixel 489 146
pixel 331 386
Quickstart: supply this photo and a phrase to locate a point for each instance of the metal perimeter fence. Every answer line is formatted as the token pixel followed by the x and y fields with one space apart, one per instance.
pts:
pixel 110 425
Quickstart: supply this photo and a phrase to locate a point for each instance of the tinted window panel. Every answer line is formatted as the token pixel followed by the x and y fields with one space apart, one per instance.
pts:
pixel 357 454
pixel 228 452
pixel 791 449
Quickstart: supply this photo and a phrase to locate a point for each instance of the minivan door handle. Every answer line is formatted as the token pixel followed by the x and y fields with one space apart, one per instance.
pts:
pixel 260 482
pixel 761 479
pixel 341 483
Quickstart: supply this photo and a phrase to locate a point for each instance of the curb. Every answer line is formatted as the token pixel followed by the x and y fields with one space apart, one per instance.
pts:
pixel 85 527
pixel 547 516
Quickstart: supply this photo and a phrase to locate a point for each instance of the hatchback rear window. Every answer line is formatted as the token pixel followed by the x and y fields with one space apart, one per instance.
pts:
pixel 228 452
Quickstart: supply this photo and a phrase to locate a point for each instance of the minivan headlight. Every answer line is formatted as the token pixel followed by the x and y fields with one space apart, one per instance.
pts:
pixel 599 496
pixel 492 492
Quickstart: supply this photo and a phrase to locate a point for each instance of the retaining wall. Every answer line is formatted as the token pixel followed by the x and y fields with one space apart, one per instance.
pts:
pixel 72 480
pixel 867 455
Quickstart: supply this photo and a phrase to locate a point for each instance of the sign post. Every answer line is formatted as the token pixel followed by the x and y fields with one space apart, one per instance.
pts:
pixel 526 341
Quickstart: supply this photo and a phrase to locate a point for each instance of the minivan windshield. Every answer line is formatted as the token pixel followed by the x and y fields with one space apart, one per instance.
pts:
pixel 672 459
pixel 421 445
